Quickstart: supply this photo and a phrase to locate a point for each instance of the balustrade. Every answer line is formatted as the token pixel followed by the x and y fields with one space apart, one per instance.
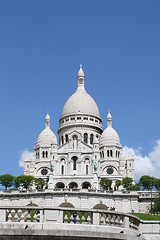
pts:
pixel 111 219
pixel 69 216
pixel 134 223
pixel 79 217
pixel 22 215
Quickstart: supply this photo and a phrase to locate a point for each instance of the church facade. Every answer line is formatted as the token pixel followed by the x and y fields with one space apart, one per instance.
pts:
pixel 85 153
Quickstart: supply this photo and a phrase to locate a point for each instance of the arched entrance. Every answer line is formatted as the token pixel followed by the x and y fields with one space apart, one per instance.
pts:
pixel 73 185
pixel 86 185
pixel 101 206
pixel 66 205
pixel 59 185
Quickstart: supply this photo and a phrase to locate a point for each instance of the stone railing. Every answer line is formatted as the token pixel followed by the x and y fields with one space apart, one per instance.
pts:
pixel 134 222
pixel 69 216
pixel 75 222
pixel 112 219
pixel 89 190
pixel 22 215
pixel 78 217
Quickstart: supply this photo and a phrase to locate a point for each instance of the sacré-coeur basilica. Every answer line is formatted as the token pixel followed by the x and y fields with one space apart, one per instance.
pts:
pixel 85 153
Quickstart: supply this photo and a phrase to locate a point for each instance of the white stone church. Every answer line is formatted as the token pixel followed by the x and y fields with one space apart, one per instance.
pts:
pixel 85 153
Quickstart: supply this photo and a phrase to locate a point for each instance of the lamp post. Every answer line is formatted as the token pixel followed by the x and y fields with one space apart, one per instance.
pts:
pixel 151 198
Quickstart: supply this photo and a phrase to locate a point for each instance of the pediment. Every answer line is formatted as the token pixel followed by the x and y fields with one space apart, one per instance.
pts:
pixel 75 133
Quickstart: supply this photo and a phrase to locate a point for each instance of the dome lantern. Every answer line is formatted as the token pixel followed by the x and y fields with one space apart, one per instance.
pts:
pixel 47 121
pixel 80 77
pixel 109 119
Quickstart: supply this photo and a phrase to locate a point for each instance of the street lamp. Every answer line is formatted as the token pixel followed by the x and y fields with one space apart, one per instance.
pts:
pixel 151 198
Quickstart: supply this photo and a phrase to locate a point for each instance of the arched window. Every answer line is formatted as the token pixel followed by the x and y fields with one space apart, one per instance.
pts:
pixel 86 185
pixel 86 169
pixel 73 185
pixel 111 153
pixel 75 142
pixel 66 136
pixel 43 154
pixel 62 140
pixel 103 154
pixel 85 137
pixel 91 139
pixel 62 170
pixel 74 162
pixel 38 155
pixel 107 153
pixel 59 185
pixel 46 154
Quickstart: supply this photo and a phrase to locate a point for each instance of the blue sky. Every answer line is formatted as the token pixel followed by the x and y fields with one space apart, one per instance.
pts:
pixel 42 44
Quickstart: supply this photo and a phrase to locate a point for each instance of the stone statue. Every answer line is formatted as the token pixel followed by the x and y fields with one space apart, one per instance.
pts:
pixel 95 166
pixel 51 168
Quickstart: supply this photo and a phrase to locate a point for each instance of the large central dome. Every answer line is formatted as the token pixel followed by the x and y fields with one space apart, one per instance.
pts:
pixel 80 101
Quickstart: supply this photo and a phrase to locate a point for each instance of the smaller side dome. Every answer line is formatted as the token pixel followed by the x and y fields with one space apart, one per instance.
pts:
pixel 46 137
pixel 109 136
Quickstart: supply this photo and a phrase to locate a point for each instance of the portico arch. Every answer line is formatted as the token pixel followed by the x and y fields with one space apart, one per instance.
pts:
pixel 73 185
pixel 66 205
pixel 100 206
pixel 59 185
pixel 86 185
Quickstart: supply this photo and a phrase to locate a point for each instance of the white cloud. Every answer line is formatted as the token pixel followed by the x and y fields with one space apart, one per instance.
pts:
pixel 148 164
pixel 26 154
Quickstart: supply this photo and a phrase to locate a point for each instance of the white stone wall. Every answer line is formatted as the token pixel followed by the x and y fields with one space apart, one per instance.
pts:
pixel 123 202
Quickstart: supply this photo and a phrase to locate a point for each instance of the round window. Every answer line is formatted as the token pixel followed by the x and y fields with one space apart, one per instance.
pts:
pixel 109 170
pixel 44 171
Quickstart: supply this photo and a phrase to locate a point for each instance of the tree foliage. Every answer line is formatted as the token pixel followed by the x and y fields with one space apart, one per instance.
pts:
pixel 118 183
pixel 6 180
pixel 23 181
pixel 134 187
pixel 157 184
pixel 39 183
pixel 26 181
pixel 147 182
pixel 106 183
pixel 156 207
pixel 16 181
pixel 127 182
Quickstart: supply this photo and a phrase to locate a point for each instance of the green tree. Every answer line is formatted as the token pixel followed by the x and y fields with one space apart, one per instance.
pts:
pixel 127 182
pixel 134 187
pixel 6 180
pixel 157 184
pixel 39 183
pixel 16 181
pixel 118 183
pixel 26 181
pixel 147 182
pixel 106 183
pixel 156 207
